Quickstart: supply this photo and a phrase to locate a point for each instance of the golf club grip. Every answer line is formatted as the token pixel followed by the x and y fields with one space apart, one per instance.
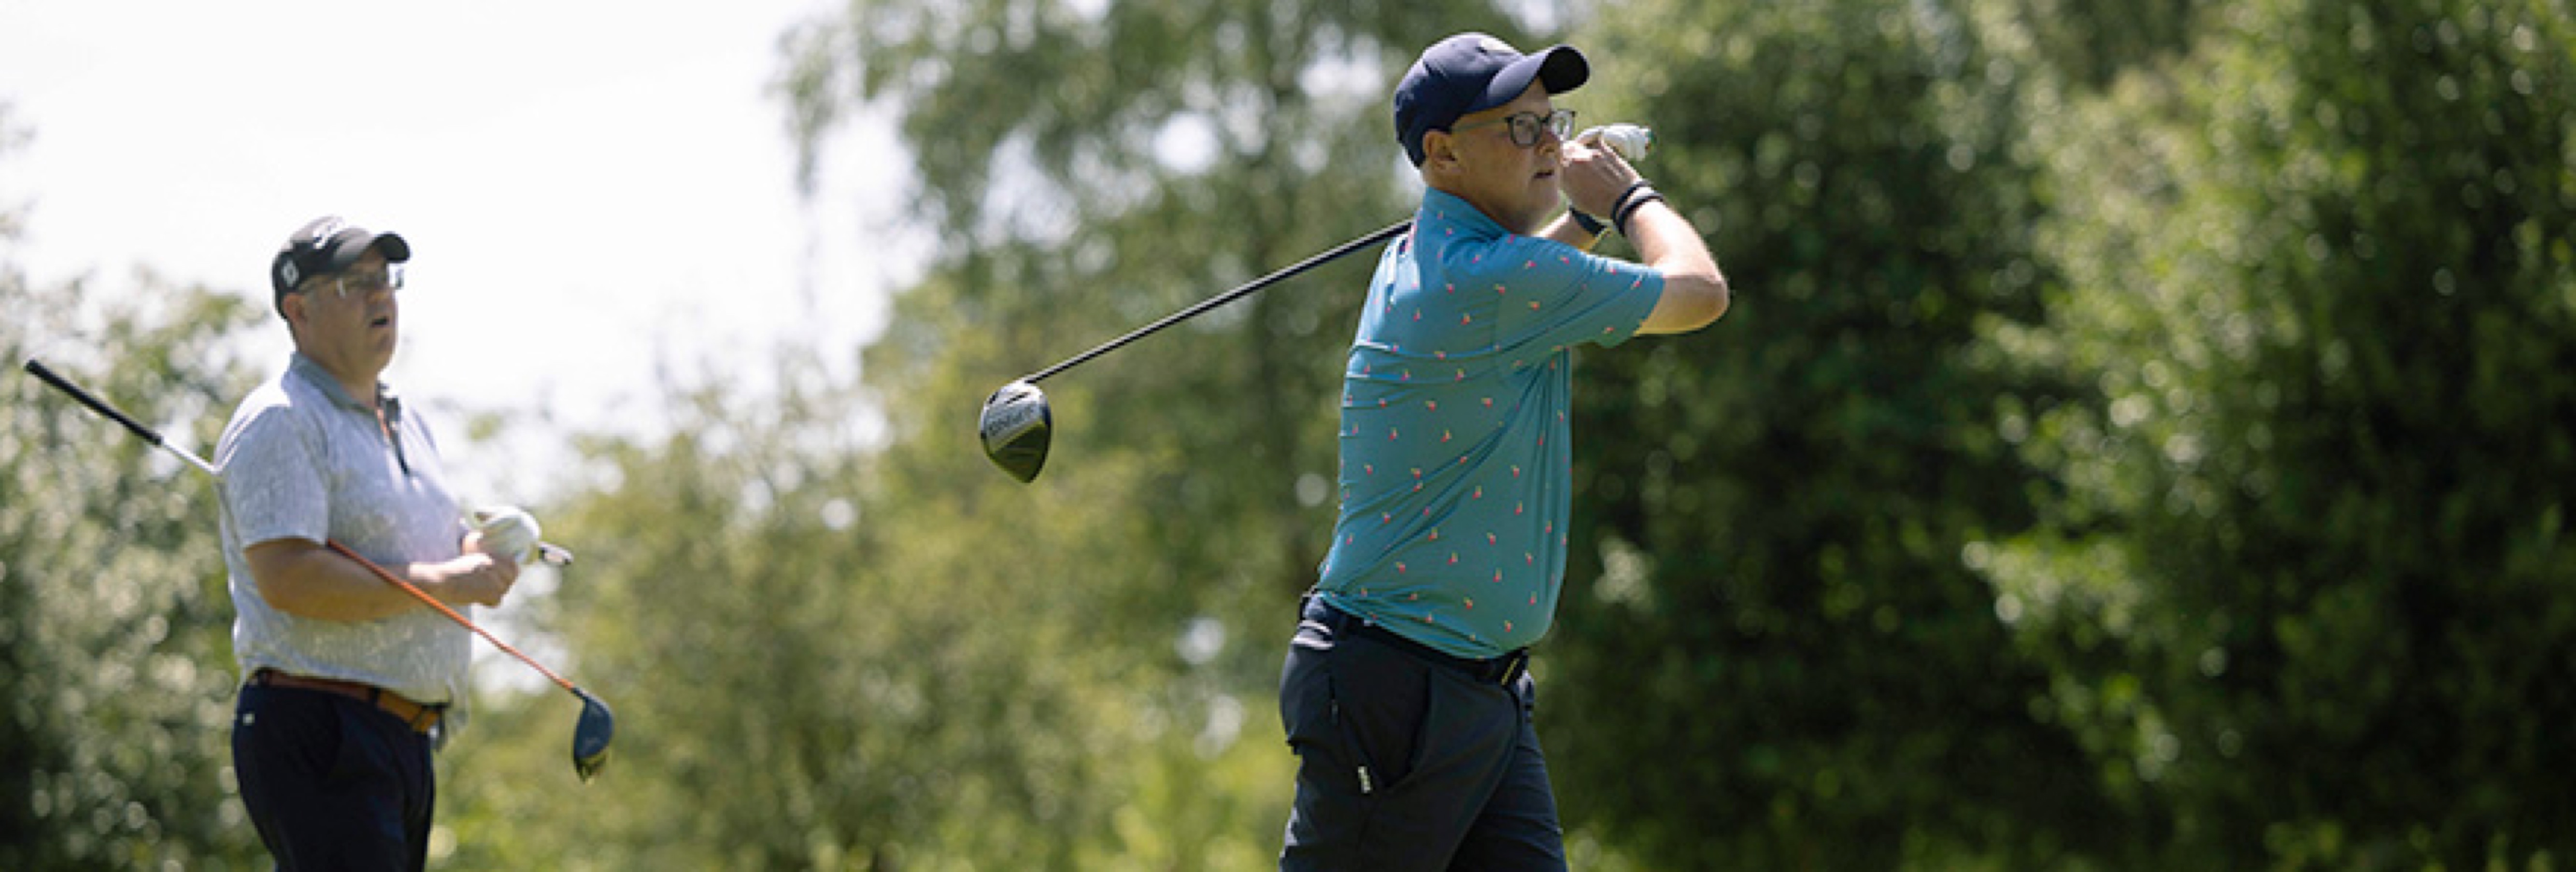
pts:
pixel 554 554
pixel 95 404
pixel 432 602
pixel 1336 253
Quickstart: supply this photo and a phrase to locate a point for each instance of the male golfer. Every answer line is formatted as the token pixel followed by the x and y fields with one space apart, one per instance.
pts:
pixel 347 677
pixel 1405 693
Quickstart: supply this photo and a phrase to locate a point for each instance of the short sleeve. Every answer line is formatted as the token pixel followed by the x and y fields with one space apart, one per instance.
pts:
pixel 272 480
pixel 1555 295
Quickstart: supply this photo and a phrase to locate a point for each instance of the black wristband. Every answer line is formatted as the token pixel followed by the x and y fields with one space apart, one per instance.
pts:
pixel 1589 224
pixel 1629 205
pixel 1619 203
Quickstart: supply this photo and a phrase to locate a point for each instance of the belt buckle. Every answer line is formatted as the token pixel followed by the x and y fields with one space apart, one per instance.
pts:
pixel 425 719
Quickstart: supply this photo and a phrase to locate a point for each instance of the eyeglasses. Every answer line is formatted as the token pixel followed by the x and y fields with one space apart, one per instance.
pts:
pixel 1526 126
pixel 363 283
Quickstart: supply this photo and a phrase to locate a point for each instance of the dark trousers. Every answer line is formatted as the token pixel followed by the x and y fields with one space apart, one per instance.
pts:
pixel 1405 762
pixel 332 782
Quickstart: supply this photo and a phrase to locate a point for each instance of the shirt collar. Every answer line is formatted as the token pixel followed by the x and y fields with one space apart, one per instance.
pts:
pixel 303 367
pixel 1442 207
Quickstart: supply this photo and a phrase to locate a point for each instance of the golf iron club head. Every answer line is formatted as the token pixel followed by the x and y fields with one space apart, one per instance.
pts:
pixel 1015 426
pixel 590 736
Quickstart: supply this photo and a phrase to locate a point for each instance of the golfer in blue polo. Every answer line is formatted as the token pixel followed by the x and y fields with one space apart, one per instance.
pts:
pixel 1406 694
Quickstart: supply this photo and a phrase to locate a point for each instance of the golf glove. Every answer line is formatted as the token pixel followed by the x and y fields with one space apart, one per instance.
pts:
pixel 1629 140
pixel 507 531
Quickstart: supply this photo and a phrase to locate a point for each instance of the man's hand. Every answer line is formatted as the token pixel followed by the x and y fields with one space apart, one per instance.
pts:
pixel 473 579
pixel 506 531
pixel 1593 178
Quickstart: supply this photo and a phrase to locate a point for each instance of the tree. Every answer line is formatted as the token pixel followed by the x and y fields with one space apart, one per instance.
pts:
pixel 1777 658
pixel 2300 575
pixel 115 653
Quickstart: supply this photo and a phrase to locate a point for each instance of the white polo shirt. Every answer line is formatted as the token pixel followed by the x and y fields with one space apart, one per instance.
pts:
pixel 302 459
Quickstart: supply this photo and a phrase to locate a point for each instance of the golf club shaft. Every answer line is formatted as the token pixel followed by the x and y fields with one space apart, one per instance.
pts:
pixel 432 602
pixel 148 435
pixel 1230 296
pixel 546 551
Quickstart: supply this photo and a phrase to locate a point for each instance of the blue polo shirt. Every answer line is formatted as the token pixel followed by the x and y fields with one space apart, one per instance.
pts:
pixel 1456 478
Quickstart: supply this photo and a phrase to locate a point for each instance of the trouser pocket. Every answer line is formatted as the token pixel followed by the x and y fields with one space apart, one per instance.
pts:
pixel 1352 711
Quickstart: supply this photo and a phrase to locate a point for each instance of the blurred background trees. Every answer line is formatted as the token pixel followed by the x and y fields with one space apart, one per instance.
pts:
pixel 1776 507
pixel 2138 442
pixel 2301 576
pixel 116 677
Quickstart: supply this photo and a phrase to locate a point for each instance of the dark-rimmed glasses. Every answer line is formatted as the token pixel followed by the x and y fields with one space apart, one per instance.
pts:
pixel 1526 126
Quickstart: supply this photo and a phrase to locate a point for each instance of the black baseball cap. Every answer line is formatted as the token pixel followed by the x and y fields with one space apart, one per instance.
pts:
pixel 324 246
pixel 1473 72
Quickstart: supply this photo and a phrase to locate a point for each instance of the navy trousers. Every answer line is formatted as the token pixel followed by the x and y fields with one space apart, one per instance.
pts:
pixel 1405 762
pixel 332 782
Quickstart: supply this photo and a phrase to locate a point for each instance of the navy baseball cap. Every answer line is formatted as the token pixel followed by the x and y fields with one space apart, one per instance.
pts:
pixel 1473 72
pixel 324 246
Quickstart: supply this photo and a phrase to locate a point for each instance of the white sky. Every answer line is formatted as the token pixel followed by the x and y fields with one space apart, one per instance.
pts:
pixel 593 191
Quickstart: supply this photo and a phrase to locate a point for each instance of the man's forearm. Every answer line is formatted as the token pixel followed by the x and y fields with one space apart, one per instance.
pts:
pixel 307 580
pixel 1564 229
pixel 1695 293
pixel 1667 242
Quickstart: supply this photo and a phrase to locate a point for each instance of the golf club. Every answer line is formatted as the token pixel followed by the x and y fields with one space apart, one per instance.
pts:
pixel 590 734
pixel 1016 424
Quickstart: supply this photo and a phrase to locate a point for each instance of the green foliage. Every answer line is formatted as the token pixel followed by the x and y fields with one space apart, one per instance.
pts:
pixel 2301 575
pixel 1776 660
pixel 115 652
pixel 829 655
pixel 2093 42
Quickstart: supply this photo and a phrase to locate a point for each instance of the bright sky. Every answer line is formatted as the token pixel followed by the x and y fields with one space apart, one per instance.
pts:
pixel 594 192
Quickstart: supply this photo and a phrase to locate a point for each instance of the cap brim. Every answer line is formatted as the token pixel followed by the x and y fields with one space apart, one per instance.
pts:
pixel 395 249
pixel 1559 68
pixel 392 244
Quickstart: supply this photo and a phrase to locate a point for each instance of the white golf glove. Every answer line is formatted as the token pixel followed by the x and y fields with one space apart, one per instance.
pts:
pixel 1629 140
pixel 508 531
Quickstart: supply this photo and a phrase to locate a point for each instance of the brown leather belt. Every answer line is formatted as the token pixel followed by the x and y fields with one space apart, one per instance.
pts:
pixel 421 718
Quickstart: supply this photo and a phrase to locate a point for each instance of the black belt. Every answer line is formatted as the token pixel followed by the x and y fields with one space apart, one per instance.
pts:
pixel 1501 670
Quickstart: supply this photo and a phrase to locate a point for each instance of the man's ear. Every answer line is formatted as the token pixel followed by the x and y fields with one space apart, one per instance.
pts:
pixel 1439 149
pixel 292 307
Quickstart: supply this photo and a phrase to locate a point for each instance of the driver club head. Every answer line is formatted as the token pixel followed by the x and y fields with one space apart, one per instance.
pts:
pixel 1015 426
pixel 590 736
